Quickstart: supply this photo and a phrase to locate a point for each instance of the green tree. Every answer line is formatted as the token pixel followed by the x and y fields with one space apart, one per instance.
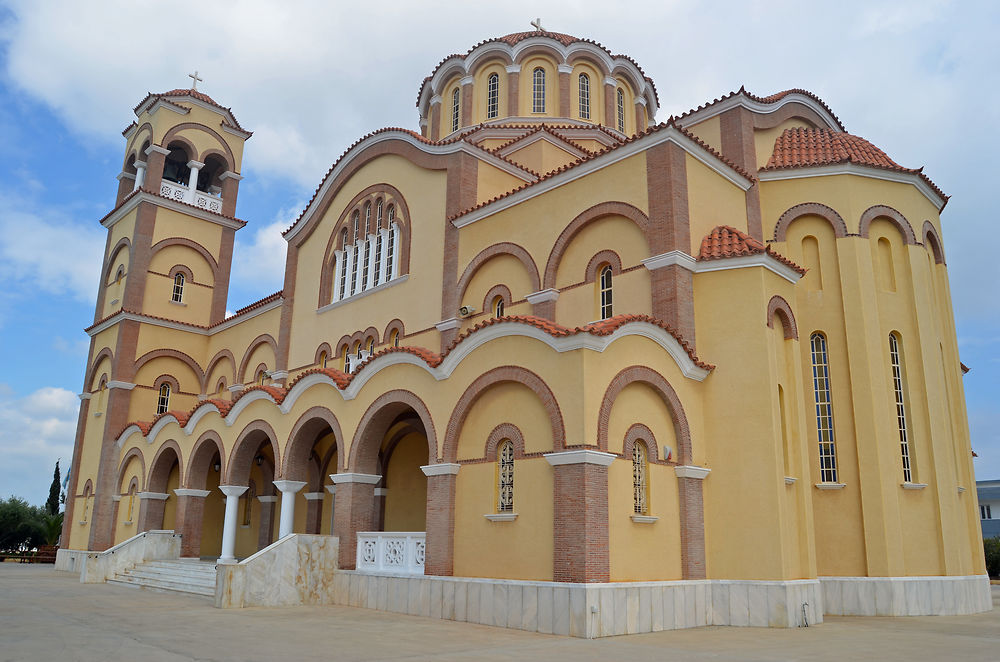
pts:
pixel 52 505
pixel 21 525
pixel 992 548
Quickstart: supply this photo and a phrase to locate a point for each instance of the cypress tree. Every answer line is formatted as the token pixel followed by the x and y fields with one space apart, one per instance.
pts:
pixel 52 505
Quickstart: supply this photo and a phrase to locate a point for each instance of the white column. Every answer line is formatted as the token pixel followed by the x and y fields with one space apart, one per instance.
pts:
pixel 395 251
pixel 196 167
pixel 232 493
pixel 360 283
pixel 370 247
pixel 140 174
pixel 338 270
pixel 288 489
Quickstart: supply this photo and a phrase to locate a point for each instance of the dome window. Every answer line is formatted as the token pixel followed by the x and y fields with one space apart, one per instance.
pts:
pixel 492 96
pixel 584 96
pixel 538 90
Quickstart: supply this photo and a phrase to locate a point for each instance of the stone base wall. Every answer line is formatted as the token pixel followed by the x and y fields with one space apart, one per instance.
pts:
pixel 98 567
pixel 906 596
pixel 70 560
pixel 585 610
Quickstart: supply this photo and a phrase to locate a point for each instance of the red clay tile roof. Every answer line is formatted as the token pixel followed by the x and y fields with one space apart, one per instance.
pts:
pixel 253 306
pixel 433 359
pixel 194 94
pixel 516 37
pixel 803 147
pixel 725 241
pixel 773 98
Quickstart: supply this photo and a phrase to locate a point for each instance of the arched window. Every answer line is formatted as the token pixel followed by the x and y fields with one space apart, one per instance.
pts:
pixel 390 248
pixel 505 476
pixel 498 307
pixel 824 409
pixel 814 270
pixel 357 351
pixel 87 493
pixel 163 400
pixel 261 376
pixel 640 478
pixel 538 90
pixel 394 337
pixel 899 394
pixel 367 247
pixel 492 96
pixel 342 286
pixel 347 360
pixel 120 274
pixel 455 108
pixel 605 292
pixel 886 270
pixel 322 359
pixel 371 346
pixel 175 166
pixel 177 295
pixel 131 503
pixel 584 96
pixel 620 96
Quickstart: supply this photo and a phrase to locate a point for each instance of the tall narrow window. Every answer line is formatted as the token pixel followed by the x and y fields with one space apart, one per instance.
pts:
pixel 584 96
pixel 343 267
pixel 347 360
pixel 606 307
pixel 640 478
pixel 390 249
pixel 163 401
pixel 394 338
pixel 367 258
pixel 378 257
pixel 538 90
pixel 178 293
pixel 455 109
pixel 824 409
pixel 371 347
pixel 985 511
pixel 505 477
pixel 322 359
pixel 492 96
pixel 899 391
pixel 498 307
pixel 810 254
pixel 354 268
pixel 620 96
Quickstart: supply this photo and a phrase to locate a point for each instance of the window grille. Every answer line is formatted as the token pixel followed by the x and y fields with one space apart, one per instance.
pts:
pixel 505 477
pixel 178 293
pixel 824 409
pixel 493 96
pixel 390 249
pixel 378 214
pixel 367 261
pixel 640 480
pixel 354 268
pixel 371 347
pixel 343 258
pixel 898 387
pixel 163 401
pixel 538 90
pixel 455 109
pixel 606 307
pixel 584 96
pixel 378 257
pixel 621 109
pixel 347 361
pixel 322 359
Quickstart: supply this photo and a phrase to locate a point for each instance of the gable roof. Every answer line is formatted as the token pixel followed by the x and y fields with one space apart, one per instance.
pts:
pixel 151 98
pixel 725 241
pixel 742 97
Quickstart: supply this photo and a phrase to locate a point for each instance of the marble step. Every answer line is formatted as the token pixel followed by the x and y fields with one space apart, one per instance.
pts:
pixel 187 576
pixel 142 572
pixel 164 585
pixel 189 568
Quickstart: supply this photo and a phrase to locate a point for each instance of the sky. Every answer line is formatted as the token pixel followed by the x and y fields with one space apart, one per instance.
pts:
pixel 917 78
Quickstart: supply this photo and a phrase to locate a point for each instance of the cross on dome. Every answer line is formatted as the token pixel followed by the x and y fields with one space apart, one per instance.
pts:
pixel 537 24
pixel 194 79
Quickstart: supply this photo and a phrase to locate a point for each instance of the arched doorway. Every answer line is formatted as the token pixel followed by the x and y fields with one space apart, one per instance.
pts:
pixel 251 465
pixel 201 505
pixel 311 455
pixel 158 509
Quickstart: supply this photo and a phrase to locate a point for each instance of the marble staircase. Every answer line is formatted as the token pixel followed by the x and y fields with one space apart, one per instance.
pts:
pixel 191 576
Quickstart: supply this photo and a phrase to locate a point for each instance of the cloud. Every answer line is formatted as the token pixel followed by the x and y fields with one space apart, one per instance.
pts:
pixel 35 430
pixel 259 260
pixel 41 248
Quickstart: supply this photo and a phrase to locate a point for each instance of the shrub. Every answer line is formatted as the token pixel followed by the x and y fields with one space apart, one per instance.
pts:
pixel 992 548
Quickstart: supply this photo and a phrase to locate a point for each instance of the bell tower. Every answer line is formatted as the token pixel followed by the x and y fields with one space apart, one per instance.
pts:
pixel 167 262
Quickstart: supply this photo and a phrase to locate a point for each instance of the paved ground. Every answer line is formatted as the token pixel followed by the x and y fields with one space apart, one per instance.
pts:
pixel 48 615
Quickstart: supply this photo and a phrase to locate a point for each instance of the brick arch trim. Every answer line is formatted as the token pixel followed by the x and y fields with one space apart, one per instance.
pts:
pixel 193 245
pixel 293 461
pixel 105 353
pixel 394 325
pixel 503 375
pixel 173 354
pixel 123 465
pixel 585 218
pixel 933 242
pixel 809 209
pixel 638 374
pixel 499 433
pixel 777 306
pixel 123 244
pixel 238 462
pixel 159 468
pixel 503 248
pixel 197 465
pixel 221 355
pixel 606 256
pixel 364 449
pixel 638 431
pixel 501 291
pixel 262 339
pixel 173 134
pixel 886 212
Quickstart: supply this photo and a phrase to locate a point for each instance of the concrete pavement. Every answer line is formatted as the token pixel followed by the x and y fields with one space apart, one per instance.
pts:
pixel 49 615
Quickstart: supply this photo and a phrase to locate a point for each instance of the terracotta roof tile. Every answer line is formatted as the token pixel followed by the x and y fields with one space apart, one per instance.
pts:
pixel 194 94
pixel 773 98
pixel 805 147
pixel 725 242
pixel 253 306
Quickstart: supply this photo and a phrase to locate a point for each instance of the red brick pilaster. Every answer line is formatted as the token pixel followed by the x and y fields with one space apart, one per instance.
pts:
pixel 155 160
pixel 314 512
pixel 440 527
pixel 467 103
pixel 462 183
pixel 150 513
pixel 692 516
pixel 355 512
pixel 672 290
pixel 436 119
pixel 580 516
pixel 190 508
pixel 738 146
pixel 513 93
pixel 564 94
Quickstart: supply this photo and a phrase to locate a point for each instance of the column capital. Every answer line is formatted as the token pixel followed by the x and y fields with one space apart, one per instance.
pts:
pixel 314 496
pixel 233 490
pixel 370 479
pixel 157 149
pixel 441 469
pixel 565 68
pixel 292 486
pixel 541 296
pixel 582 456
pixel 229 174
pixel 184 491
pixel 195 165
pixel 691 471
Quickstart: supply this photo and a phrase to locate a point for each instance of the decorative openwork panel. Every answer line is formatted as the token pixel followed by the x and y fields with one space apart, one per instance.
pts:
pixel 173 191
pixel 640 485
pixel 208 201
pixel 505 477
pixel 397 553
pixel 182 193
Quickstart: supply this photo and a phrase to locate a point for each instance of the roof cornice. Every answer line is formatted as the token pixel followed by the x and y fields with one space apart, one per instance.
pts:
pixel 872 172
pixel 139 196
pixel 761 107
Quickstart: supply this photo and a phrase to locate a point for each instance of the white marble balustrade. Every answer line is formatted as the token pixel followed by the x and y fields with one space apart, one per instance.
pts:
pixel 182 193
pixel 394 552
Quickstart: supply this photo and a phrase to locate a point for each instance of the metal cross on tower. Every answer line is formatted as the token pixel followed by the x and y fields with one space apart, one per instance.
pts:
pixel 194 79
pixel 537 24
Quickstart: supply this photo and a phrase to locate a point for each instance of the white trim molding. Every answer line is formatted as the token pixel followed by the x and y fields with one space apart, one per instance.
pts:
pixel 267 499
pixel 116 383
pixel 368 479
pixel 691 471
pixel 542 296
pixel 185 491
pixel 501 517
pixel 669 259
pixel 830 486
pixel 790 480
pixel 155 496
pixel 441 469
pixel 685 261
pixel 582 456
pixel 314 496
pixel 645 519
pixel 448 324
pixel 913 486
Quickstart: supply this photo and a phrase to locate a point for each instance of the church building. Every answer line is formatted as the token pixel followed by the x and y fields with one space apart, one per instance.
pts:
pixel 543 363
